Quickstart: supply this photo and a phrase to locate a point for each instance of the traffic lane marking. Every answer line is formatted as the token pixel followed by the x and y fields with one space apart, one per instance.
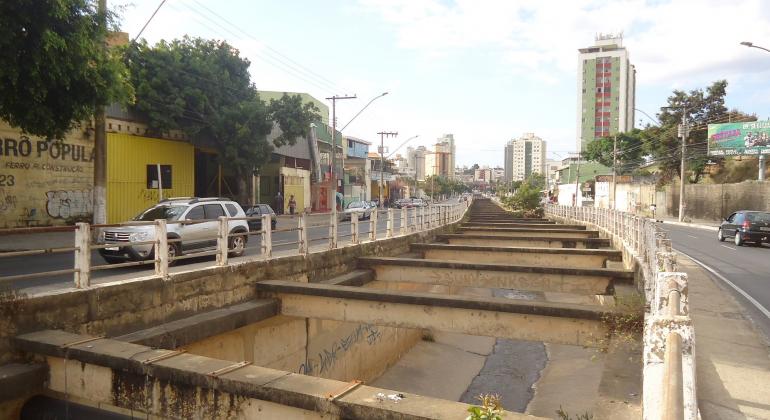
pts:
pixel 728 247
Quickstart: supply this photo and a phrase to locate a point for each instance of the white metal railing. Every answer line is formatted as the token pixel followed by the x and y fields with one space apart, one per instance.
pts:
pixel 669 361
pixel 292 240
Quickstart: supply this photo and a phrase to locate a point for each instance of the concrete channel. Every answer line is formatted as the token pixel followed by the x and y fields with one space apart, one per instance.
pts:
pixel 497 304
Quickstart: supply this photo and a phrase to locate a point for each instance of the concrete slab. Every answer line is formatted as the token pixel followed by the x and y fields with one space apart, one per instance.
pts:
pixel 521 225
pixel 497 240
pixel 529 232
pixel 536 256
pixel 19 379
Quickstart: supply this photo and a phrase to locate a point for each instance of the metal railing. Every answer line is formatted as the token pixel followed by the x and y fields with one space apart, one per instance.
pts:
pixel 227 239
pixel 669 362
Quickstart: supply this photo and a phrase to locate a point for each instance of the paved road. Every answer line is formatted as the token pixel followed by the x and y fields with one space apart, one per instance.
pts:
pixel 284 243
pixel 747 267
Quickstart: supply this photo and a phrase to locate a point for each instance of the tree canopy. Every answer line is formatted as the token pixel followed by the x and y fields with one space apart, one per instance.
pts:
pixel 629 146
pixel 55 69
pixel 203 88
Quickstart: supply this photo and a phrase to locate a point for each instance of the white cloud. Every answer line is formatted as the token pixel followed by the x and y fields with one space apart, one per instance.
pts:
pixel 696 39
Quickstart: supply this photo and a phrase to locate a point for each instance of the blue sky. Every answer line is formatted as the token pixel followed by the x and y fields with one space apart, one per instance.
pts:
pixel 483 70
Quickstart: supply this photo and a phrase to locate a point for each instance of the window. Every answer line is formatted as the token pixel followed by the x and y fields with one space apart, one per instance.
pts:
pixel 231 209
pixel 196 213
pixel 152 176
pixel 213 211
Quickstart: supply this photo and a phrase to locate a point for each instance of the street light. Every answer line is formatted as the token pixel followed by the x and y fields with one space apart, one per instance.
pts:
pixel 751 45
pixel 362 110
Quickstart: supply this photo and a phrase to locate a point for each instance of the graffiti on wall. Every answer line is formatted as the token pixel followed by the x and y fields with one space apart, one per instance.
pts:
pixel 63 204
pixel 327 358
pixel 7 201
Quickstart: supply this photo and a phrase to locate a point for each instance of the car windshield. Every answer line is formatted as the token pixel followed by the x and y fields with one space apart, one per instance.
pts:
pixel 356 205
pixel 758 217
pixel 252 211
pixel 167 212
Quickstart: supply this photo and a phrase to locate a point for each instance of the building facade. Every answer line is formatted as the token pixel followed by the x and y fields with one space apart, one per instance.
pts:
pixel 606 90
pixel 441 161
pixel 524 156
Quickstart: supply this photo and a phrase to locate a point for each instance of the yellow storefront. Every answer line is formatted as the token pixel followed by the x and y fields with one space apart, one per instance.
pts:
pixel 132 173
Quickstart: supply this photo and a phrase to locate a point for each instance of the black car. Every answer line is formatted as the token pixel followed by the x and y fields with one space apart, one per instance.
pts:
pixel 746 226
pixel 258 210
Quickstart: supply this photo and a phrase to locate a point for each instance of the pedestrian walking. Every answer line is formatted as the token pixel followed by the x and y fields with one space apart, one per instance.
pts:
pixel 279 203
pixel 292 204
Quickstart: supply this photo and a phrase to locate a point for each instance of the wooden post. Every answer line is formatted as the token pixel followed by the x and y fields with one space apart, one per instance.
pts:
pixel 373 225
pixel 302 235
pixel 389 227
pixel 354 228
pixel 267 237
pixel 333 229
pixel 404 220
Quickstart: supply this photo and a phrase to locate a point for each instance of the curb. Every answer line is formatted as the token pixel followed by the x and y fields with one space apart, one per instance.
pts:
pixel 692 225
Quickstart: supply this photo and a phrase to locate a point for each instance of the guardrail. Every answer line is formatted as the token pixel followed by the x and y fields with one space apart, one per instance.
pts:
pixel 669 358
pixel 228 239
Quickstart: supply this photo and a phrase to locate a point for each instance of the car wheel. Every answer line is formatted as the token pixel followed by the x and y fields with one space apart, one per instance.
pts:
pixel 173 252
pixel 237 245
pixel 720 235
pixel 738 239
pixel 274 224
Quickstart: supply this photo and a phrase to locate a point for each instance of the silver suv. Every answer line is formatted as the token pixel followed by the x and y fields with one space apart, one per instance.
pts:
pixel 201 235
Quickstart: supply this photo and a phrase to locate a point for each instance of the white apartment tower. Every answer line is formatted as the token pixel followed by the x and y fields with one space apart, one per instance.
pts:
pixel 524 156
pixel 606 90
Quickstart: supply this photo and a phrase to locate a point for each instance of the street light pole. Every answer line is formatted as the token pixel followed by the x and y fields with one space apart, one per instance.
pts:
pixel 751 45
pixel 684 132
pixel 614 169
pixel 334 147
pixel 383 134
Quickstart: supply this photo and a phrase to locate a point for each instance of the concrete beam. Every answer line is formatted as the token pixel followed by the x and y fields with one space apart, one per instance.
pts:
pixel 198 327
pixel 491 240
pixel 353 278
pixel 521 225
pixel 589 281
pixel 121 376
pixel 19 380
pixel 547 257
pixel 493 317
pixel 529 232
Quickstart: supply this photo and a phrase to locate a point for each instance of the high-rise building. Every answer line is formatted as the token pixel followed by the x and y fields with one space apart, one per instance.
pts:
pixel 606 90
pixel 524 156
pixel 441 161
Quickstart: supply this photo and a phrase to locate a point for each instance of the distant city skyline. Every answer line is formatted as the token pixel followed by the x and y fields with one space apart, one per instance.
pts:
pixel 482 70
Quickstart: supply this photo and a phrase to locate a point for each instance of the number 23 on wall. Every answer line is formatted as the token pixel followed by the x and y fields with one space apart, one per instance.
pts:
pixel 7 180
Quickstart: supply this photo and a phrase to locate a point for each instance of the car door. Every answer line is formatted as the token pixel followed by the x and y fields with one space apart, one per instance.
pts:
pixel 211 226
pixel 736 222
pixel 193 233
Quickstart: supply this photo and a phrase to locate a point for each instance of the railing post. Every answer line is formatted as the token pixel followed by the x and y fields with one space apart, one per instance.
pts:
pixel 333 229
pixel 422 218
pixel 673 384
pixel 267 237
pixel 161 249
pixel 222 241
pixel 389 226
pixel 354 228
pixel 302 245
pixel 404 220
pixel 373 225
pixel 82 255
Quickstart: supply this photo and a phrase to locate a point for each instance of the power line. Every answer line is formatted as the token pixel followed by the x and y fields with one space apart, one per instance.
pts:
pixel 148 21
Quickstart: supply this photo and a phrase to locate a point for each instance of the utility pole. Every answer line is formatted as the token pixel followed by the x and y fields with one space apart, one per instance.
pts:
pixel 577 180
pixel 383 134
pixel 614 168
pixel 334 148
pixel 683 132
pixel 100 142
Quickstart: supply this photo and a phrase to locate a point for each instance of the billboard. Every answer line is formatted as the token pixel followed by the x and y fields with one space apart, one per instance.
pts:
pixel 741 138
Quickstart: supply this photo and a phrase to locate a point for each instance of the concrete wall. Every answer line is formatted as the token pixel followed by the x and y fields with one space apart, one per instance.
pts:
pixel 716 201
pixel 126 306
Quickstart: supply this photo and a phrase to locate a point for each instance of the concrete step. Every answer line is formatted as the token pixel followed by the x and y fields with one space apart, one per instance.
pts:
pixel 496 240
pixel 522 225
pixel 543 257
pixel 529 232
pixel 589 281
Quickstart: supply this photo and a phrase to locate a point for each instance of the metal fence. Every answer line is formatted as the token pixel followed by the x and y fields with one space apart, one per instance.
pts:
pixel 229 242
pixel 669 359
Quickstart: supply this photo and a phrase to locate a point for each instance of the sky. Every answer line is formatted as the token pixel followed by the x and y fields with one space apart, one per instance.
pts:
pixel 484 70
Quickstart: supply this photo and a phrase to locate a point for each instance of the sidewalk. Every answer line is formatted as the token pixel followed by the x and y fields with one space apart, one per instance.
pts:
pixel 732 356
pixel 694 223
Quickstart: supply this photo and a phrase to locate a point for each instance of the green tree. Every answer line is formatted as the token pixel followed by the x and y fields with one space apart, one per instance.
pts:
pixel 629 146
pixel 700 107
pixel 54 67
pixel 203 88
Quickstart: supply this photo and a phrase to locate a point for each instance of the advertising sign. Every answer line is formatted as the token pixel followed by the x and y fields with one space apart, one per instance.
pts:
pixel 741 138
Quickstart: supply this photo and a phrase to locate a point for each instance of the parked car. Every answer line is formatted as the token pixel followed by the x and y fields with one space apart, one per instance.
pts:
pixel 362 208
pixel 258 210
pixel 197 236
pixel 746 226
pixel 419 202
pixel 402 203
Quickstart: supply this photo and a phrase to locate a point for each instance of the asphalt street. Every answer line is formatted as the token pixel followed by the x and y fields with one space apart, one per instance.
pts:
pixel 746 267
pixel 284 243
